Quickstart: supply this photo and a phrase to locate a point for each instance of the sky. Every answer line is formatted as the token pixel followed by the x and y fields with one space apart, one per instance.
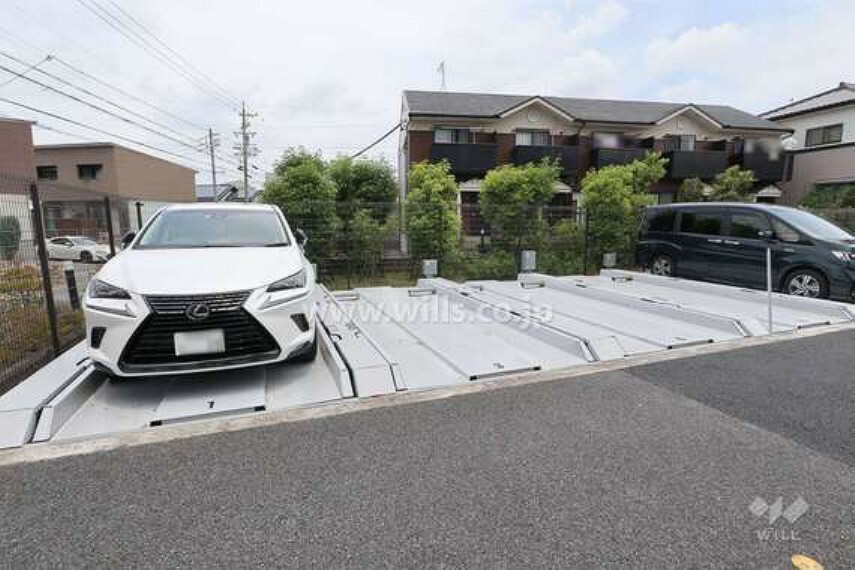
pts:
pixel 328 75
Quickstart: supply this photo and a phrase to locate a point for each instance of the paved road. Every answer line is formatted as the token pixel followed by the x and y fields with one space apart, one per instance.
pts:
pixel 653 467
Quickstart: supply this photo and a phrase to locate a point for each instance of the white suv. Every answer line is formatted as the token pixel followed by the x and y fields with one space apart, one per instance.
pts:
pixel 203 287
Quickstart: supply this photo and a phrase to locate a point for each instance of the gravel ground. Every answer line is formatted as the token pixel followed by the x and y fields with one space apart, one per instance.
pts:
pixel 652 467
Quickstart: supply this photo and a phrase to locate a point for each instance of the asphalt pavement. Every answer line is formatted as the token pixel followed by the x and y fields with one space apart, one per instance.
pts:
pixel 675 464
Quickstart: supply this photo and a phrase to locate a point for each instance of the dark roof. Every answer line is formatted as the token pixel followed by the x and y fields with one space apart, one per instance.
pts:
pixel 820 101
pixel 487 105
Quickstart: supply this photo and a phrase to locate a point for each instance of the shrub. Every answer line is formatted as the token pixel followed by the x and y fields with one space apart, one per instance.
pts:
pixel 431 219
pixel 10 237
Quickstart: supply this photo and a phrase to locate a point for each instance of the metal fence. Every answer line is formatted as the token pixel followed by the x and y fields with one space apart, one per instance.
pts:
pixel 357 245
pixel 53 239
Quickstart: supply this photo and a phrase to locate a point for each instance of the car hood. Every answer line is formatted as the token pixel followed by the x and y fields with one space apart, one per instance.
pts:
pixel 203 270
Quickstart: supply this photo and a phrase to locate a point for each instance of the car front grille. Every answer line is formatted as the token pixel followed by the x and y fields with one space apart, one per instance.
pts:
pixel 152 348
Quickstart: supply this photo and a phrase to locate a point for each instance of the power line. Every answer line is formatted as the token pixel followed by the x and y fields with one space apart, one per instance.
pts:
pixel 30 68
pixel 378 141
pixel 95 95
pixel 187 64
pixel 126 94
pixel 97 107
pixel 97 130
pixel 123 29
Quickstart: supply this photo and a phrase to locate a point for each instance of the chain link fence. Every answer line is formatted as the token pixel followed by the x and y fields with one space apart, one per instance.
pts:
pixel 53 239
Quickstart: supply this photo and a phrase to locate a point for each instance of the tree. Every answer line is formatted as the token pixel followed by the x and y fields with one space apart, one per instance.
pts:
pixel 10 237
pixel 364 183
pixel 431 219
pixel 848 200
pixel 512 198
pixel 613 198
pixel 647 171
pixel 732 185
pixel 691 190
pixel 366 241
pixel 301 187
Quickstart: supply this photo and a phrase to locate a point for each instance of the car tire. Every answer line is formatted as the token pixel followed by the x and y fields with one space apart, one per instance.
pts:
pixel 662 264
pixel 85 257
pixel 309 353
pixel 806 283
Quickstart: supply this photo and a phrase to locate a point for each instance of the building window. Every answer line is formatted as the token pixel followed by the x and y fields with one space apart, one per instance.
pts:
pixel 88 171
pixel 451 136
pixel 47 172
pixel 679 142
pixel 532 138
pixel 829 134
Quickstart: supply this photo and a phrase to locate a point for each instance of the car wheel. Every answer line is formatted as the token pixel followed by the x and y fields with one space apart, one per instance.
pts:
pixel 309 353
pixel 806 283
pixel 662 264
pixel 85 257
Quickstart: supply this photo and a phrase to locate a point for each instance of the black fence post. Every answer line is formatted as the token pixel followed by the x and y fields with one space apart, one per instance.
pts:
pixel 41 244
pixel 585 252
pixel 347 249
pixel 71 285
pixel 139 206
pixel 110 234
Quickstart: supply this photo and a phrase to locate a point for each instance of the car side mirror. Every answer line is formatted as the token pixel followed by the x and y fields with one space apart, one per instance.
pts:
pixel 767 235
pixel 127 239
pixel 302 239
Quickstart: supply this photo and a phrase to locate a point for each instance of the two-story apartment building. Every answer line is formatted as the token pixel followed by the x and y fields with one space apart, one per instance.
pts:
pixel 476 132
pixel 822 147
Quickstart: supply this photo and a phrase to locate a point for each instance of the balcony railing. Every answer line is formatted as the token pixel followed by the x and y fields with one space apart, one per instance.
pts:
pixel 471 158
pixel 765 168
pixel 607 156
pixel 568 156
pixel 703 164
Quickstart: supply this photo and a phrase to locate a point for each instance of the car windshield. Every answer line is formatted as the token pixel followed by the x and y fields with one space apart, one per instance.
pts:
pixel 82 241
pixel 214 228
pixel 813 225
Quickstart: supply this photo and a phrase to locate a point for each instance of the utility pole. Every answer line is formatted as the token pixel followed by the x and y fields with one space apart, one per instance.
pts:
pixel 212 146
pixel 245 149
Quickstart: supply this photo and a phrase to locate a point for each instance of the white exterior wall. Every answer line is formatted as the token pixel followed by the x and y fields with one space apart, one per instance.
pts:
pixel 800 124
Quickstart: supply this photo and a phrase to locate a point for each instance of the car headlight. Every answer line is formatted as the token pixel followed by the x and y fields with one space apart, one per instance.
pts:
pixel 296 281
pixel 101 290
pixel 844 255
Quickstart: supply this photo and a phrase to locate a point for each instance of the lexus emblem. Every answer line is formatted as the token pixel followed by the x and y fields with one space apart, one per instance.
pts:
pixel 198 312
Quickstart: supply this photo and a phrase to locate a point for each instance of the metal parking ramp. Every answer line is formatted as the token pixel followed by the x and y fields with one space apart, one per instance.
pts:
pixel 750 306
pixel 380 340
pixel 660 325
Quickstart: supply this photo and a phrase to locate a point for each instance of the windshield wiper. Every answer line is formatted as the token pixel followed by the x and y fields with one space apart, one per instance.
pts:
pixel 277 244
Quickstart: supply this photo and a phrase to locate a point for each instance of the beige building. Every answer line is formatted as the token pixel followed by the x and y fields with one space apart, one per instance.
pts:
pixel 114 169
pixel 74 179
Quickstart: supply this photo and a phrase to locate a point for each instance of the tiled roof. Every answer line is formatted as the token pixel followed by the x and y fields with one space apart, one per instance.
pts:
pixel 487 105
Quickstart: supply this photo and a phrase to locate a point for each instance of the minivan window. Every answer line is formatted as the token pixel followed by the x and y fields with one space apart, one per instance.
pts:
pixel 784 232
pixel 707 223
pixel 662 221
pixel 812 224
pixel 748 225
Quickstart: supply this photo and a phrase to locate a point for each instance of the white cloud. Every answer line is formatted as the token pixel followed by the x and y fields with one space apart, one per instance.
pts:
pixel 756 67
pixel 325 74
pixel 696 48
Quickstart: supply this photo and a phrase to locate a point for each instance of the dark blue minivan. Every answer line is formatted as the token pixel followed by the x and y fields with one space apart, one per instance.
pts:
pixel 726 243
